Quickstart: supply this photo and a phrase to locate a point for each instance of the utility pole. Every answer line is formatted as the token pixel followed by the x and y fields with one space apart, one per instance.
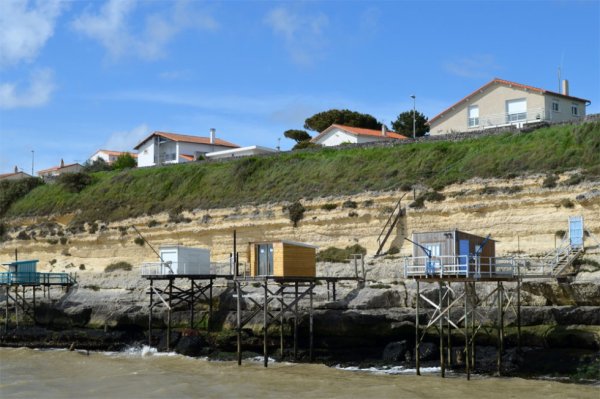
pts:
pixel 414 116
pixel 32 158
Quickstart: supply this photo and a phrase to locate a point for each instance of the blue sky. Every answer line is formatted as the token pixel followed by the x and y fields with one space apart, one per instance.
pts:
pixel 79 76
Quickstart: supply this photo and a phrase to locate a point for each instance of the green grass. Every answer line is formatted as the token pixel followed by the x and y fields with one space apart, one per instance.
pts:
pixel 116 195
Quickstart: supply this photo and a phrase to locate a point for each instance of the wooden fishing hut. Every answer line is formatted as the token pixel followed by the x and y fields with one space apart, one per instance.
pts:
pixel 456 257
pixel 282 259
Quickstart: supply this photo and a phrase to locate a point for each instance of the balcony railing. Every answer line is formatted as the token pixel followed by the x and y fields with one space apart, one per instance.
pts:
pixel 504 119
pixel 459 266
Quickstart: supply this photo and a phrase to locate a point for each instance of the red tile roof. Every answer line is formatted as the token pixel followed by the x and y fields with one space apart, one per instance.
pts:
pixel 506 83
pixel 188 139
pixel 57 168
pixel 359 131
pixel 116 153
pixel 186 156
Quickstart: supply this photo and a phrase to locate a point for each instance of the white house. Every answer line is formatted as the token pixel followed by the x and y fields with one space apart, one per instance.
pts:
pixel 502 103
pixel 240 152
pixel 16 175
pixel 56 171
pixel 108 156
pixel 340 134
pixel 167 148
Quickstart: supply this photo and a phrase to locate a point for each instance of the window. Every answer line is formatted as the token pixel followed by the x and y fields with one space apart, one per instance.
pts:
pixel 555 106
pixel 516 110
pixel 473 115
pixel 436 249
pixel 574 110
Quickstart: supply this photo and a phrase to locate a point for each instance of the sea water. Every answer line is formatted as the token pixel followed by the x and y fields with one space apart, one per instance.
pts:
pixel 145 373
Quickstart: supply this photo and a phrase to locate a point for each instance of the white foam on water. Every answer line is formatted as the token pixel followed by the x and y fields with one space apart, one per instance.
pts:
pixel 260 359
pixel 393 370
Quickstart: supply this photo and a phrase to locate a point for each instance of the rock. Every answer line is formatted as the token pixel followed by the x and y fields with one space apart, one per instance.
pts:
pixel 396 351
pixel 428 351
pixel 162 344
pixel 191 345
pixel 369 298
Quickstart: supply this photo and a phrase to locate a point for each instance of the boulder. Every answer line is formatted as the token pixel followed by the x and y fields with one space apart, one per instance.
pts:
pixel 397 351
pixel 191 345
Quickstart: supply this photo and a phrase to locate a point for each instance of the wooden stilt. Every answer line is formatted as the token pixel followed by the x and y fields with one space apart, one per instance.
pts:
pixel 6 309
pixel 34 319
pixel 265 332
pixel 192 287
pixel 519 314
pixel 239 321
pixel 281 323
pixel 498 321
pixel 150 313
pixel 441 304
pixel 210 305
pixel 417 339
pixel 169 315
pixel 296 320
pixel 473 294
pixel 448 301
pixel 16 300
pixel 310 322
pixel 467 354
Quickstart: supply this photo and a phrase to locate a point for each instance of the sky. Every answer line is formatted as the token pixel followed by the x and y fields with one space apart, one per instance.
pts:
pixel 78 76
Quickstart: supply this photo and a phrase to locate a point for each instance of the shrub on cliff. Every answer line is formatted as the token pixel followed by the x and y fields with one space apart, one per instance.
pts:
pixel 125 266
pixel 75 182
pixel 12 190
pixel 339 255
pixel 296 212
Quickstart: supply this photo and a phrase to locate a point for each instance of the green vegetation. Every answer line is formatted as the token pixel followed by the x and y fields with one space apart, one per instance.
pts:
pixel 322 120
pixel 75 182
pixel 124 161
pixel 139 241
pixel 404 124
pixel 13 190
pixel 339 255
pixel 328 207
pixel 314 173
pixel 296 212
pixel 118 266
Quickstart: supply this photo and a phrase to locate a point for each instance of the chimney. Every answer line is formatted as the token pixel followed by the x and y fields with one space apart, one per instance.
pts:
pixel 565 87
pixel 383 130
pixel 212 135
pixel 16 169
pixel 62 163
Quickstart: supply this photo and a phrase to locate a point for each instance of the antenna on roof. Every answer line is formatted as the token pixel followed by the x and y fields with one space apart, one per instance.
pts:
pixel 559 80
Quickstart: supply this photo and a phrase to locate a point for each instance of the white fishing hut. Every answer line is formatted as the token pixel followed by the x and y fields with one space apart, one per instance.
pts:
pixel 180 260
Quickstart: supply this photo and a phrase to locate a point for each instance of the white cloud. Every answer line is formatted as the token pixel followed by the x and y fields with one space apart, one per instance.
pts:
pixel 302 34
pixel 126 140
pixel 477 66
pixel 41 86
pixel 26 27
pixel 111 27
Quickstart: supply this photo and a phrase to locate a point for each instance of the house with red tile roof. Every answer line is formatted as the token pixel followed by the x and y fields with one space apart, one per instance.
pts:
pixel 56 171
pixel 16 175
pixel 341 134
pixel 108 156
pixel 161 148
pixel 501 103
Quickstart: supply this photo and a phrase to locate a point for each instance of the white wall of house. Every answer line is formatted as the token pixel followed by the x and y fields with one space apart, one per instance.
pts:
pixel 336 137
pixel 146 154
pixel 195 149
pixel 493 104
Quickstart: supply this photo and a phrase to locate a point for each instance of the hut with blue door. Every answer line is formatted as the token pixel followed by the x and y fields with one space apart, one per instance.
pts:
pixel 453 252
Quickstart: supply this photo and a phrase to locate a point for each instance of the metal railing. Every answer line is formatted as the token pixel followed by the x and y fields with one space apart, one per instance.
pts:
pixel 504 118
pixel 35 278
pixel 463 266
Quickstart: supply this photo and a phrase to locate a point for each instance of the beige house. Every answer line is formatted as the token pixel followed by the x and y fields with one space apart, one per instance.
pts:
pixel 56 171
pixel 16 175
pixel 502 103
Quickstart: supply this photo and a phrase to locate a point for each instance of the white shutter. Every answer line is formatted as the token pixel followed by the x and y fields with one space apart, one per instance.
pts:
pixel 474 111
pixel 516 106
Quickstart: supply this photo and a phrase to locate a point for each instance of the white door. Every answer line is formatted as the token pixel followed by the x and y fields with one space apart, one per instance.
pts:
pixel 169 256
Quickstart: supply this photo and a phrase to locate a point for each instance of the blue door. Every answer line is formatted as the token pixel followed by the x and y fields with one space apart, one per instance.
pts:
pixel 463 253
pixel 576 231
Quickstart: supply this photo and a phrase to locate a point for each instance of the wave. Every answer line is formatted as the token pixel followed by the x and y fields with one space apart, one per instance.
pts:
pixel 393 370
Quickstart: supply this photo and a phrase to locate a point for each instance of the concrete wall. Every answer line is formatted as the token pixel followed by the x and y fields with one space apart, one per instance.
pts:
pixel 564 109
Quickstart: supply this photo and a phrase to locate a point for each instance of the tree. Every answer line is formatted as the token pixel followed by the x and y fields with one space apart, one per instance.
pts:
pixel 98 165
pixel 124 161
pixel 305 144
pixel 323 120
pixel 297 135
pixel 404 124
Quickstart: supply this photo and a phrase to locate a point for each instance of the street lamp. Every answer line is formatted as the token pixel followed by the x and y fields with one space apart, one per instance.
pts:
pixel 414 115
pixel 32 158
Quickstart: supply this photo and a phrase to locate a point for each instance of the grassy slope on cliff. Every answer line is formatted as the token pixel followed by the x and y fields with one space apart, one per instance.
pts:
pixel 290 176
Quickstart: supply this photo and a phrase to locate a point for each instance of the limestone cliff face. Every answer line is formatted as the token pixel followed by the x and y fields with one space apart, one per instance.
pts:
pixel 519 213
